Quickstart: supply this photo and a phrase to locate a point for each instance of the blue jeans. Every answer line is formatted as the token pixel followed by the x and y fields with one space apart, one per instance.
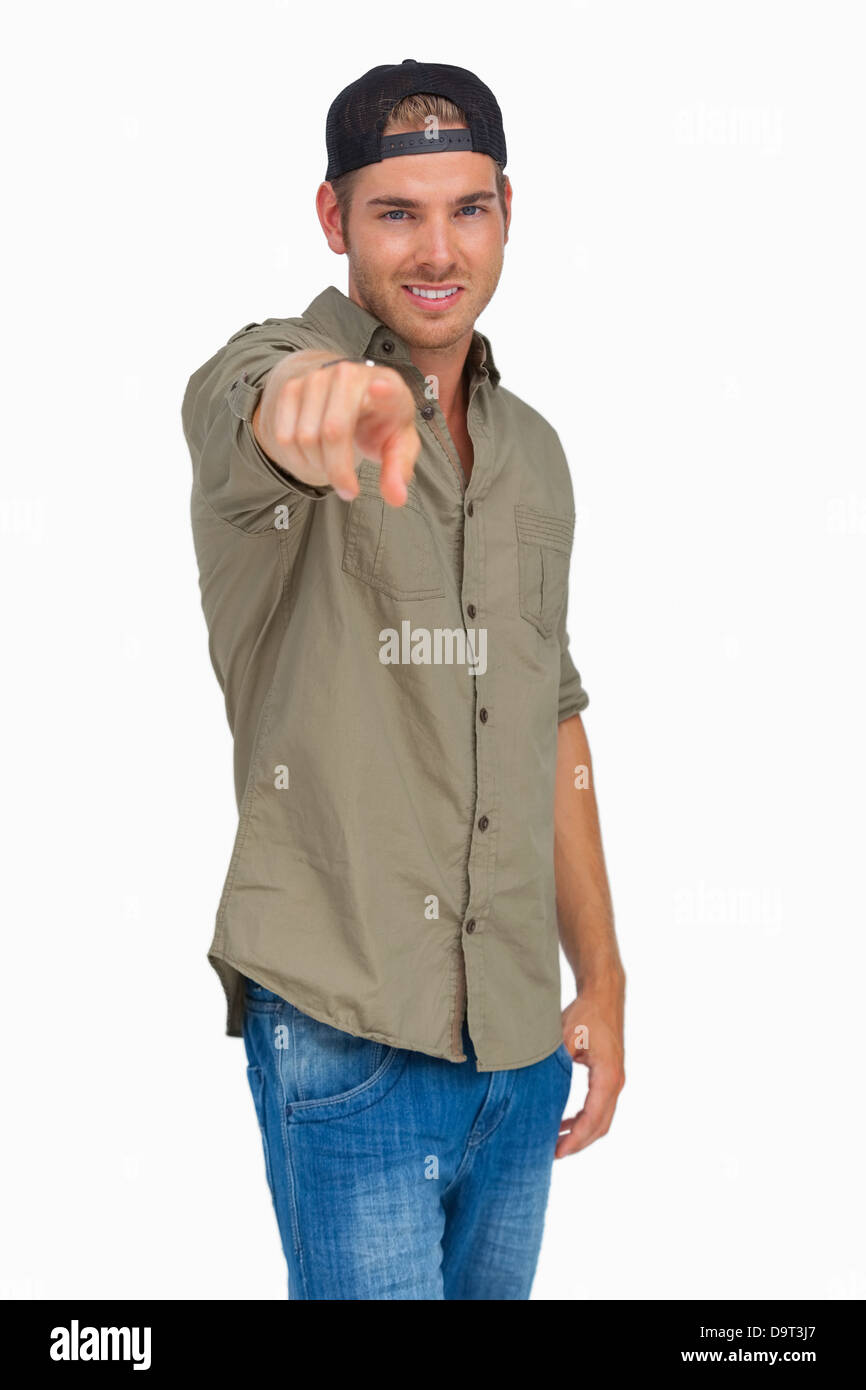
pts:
pixel 396 1175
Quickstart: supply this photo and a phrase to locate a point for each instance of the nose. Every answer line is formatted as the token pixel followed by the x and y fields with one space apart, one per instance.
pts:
pixel 434 247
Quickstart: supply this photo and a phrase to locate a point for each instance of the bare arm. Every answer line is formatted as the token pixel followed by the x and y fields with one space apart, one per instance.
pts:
pixel 586 929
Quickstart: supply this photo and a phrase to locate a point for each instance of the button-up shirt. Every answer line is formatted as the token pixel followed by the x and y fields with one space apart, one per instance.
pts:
pixel 393 678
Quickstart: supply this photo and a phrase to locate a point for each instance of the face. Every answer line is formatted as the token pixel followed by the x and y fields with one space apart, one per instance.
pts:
pixel 425 222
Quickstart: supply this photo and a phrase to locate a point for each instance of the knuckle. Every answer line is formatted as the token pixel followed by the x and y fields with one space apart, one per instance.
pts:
pixel 307 436
pixel 334 430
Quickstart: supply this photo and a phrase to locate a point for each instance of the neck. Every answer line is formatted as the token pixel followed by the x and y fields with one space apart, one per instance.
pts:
pixel 448 366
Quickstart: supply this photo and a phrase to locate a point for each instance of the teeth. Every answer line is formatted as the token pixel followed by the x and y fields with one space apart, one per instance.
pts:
pixel 433 294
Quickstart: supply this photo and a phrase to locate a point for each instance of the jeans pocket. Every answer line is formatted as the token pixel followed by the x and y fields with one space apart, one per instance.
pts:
pixel 565 1060
pixel 328 1073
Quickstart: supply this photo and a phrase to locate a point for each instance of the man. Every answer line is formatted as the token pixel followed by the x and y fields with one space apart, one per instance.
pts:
pixel 383 535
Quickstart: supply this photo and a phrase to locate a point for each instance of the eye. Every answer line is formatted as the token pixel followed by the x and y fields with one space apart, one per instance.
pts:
pixel 472 207
pixel 394 213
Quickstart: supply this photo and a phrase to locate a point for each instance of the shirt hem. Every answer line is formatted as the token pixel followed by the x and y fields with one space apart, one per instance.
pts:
pixel 233 988
pixel 234 1019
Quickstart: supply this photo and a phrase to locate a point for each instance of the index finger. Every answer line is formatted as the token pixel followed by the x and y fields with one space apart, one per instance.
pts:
pixel 400 448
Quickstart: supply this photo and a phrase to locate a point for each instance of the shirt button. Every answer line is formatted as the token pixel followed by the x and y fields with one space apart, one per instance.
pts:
pixel 427 412
pixel 470 609
pixel 483 823
pixel 482 715
pixel 470 925
pixel 387 345
pixel 470 508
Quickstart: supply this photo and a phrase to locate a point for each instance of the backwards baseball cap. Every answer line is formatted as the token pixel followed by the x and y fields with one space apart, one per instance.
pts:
pixel 357 117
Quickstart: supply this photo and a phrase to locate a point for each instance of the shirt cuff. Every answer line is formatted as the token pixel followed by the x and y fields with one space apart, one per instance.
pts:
pixel 243 397
pixel 572 706
pixel 572 696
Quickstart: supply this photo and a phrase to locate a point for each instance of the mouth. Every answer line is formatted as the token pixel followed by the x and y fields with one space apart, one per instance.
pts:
pixel 435 299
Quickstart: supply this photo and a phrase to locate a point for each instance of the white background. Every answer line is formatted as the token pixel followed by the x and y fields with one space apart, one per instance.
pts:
pixel 683 298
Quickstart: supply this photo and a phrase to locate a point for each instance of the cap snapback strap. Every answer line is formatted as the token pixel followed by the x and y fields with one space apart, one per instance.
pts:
pixel 425 142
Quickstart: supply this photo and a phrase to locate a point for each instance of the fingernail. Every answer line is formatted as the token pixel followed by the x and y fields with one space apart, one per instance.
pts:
pixel 344 493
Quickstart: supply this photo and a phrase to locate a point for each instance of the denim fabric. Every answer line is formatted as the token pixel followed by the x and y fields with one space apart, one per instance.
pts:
pixel 394 1174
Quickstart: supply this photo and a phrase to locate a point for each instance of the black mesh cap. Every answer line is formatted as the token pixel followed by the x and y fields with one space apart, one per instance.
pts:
pixel 356 118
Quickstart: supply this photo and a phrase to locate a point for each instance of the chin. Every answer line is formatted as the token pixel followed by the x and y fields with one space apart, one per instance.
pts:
pixel 417 337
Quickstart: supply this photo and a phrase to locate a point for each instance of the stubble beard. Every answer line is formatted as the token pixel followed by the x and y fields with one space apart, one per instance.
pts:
pixel 384 305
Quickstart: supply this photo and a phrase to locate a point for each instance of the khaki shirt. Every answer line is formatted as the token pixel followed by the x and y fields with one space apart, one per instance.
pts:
pixel 393 679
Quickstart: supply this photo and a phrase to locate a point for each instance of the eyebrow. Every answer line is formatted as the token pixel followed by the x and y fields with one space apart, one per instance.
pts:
pixel 387 200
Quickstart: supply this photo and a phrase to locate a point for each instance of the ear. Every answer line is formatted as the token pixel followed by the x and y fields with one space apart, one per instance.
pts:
pixel 328 211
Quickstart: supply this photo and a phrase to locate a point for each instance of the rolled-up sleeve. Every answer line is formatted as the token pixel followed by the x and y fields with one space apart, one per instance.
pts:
pixel 235 475
pixel 572 696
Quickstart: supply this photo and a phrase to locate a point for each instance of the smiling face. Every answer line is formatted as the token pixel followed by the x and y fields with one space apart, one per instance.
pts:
pixel 425 241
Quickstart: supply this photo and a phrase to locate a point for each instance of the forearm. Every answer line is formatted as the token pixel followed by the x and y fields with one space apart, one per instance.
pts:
pixel 583 900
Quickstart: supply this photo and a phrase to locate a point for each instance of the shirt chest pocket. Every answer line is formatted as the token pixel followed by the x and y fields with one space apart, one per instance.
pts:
pixel 391 548
pixel 543 554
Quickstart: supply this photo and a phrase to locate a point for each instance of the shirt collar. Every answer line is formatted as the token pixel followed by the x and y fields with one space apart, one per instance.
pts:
pixel 363 334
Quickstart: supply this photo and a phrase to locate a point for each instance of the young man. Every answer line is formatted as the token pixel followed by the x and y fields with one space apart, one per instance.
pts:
pixel 383 535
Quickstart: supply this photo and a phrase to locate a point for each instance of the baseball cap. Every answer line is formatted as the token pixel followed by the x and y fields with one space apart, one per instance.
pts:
pixel 356 118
